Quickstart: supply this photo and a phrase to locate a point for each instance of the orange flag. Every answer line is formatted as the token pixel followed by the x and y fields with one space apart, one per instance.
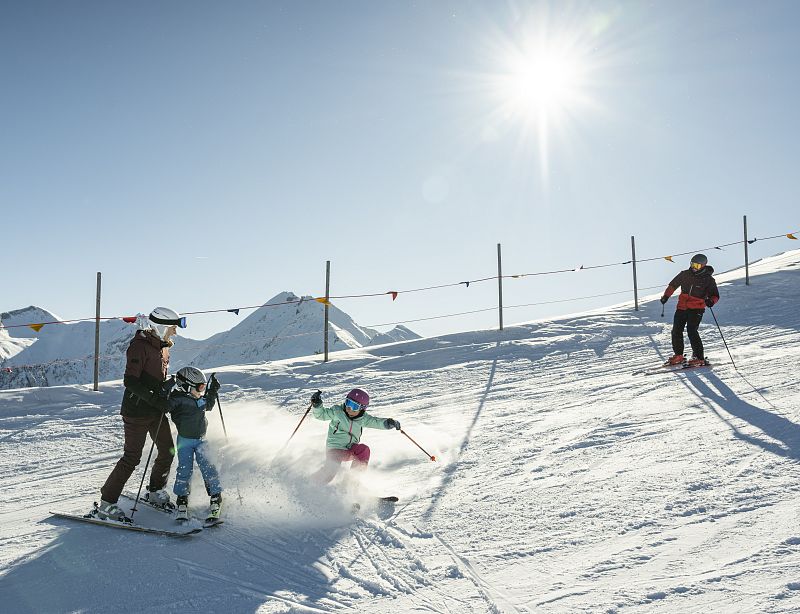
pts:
pixel 791 236
pixel 394 294
pixel 669 258
pixel 323 300
pixel 36 327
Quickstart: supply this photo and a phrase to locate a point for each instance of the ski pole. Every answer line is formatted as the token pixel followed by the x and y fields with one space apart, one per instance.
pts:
pixel 144 473
pixel 433 458
pixel 219 406
pixel 711 309
pixel 662 309
pixel 224 430
pixel 310 405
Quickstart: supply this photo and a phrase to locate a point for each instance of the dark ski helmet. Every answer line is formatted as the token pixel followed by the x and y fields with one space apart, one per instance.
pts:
pixel 190 377
pixel 699 259
pixel 359 396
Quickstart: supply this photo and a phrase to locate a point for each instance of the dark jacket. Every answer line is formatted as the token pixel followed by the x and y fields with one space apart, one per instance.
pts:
pixel 695 287
pixel 189 414
pixel 145 374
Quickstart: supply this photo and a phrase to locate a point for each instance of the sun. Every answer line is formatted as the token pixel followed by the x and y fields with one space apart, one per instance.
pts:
pixel 540 86
pixel 545 81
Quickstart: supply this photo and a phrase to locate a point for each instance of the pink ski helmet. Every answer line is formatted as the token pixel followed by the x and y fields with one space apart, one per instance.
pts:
pixel 359 396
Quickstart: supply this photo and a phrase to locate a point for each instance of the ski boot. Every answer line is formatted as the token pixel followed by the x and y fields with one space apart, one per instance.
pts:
pixel 694 361
pixel 182 514
pixel 678 359
pixel 108 511
pixel 159 498
pixel 215 508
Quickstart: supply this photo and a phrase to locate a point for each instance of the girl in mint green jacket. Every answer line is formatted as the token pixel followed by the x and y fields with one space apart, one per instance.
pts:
pixel 347 422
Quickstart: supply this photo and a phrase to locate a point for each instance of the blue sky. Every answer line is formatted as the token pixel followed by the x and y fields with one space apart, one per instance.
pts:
pixel 209 155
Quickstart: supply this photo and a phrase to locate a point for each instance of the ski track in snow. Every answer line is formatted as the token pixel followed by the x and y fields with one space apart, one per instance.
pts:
pixel 564 484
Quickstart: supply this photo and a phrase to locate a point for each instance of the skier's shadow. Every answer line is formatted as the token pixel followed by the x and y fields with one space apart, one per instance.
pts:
pixel 451 470
pixel 783 434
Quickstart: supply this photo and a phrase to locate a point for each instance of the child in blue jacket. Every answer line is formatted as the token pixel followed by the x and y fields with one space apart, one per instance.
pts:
pixel 188 406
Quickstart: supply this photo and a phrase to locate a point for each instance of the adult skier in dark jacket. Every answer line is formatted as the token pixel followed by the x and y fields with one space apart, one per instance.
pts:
pixel 698 291
pixel 144 403
pixel 188 407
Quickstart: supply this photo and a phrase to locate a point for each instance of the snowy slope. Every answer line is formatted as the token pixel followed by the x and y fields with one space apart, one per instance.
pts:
pixel 564 482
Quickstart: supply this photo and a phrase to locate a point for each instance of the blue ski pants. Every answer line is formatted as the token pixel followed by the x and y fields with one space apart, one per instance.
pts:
pixel 188 451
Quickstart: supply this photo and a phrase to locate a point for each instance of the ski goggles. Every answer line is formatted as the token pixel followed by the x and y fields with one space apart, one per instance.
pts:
pixel 696 266
pixel 179 322
pixel 352 405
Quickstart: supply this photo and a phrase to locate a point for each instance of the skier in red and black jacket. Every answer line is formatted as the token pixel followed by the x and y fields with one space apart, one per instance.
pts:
pixel 698 291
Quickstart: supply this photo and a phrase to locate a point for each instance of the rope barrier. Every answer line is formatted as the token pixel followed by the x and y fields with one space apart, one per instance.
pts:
pixel 394 293
pixel 315 333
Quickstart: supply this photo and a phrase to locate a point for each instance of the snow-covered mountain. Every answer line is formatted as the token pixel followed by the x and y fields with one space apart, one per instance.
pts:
pixel 64 353
pixel 565 480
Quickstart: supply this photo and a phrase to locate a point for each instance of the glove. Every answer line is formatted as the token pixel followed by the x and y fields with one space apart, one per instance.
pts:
pixel 709 301
pixel 213 386
pixel 664 300
pixel 316 398
pixel 391 423
pixel 160 403
pixel 167 387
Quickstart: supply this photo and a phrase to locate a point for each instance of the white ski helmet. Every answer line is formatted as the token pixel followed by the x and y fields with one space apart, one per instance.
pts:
pixel 189 377
pixel 161 318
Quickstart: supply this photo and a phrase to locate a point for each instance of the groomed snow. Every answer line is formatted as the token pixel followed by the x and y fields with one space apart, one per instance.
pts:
pixel 564 482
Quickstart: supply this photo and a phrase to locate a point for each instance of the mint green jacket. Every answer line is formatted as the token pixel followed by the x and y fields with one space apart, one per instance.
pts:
pixel 343 431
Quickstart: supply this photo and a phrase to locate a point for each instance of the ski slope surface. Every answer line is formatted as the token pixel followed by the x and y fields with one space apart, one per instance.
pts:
pixel 565 480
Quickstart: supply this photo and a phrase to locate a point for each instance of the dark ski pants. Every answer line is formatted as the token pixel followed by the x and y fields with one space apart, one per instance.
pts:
pixel 136 431
pixel 690 320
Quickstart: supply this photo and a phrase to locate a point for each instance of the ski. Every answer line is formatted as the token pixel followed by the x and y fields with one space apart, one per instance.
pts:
pixel 212 522
pixel 114 524
pixel 680 369
pixel 171 512
pixel 659 369
pixel 356 507
pixel 160 508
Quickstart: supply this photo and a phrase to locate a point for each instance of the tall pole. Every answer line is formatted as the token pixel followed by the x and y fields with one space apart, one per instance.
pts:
pixel 327 298
pixel 97 338
pixel 746 259
pixel 635 285
pixel 500 283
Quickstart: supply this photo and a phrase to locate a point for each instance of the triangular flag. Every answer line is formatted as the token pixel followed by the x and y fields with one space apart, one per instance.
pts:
pixel 751 241
pixel 36 327
pixel 465 282
pixel 516 276
pixel 236 311
pixel 669 258
pixel 130 319
pixel 580 268
pixel 791 236
pixel 323 300
pixel 394 294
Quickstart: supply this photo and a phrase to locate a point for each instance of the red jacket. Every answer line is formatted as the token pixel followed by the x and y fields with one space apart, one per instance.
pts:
pixel 695 288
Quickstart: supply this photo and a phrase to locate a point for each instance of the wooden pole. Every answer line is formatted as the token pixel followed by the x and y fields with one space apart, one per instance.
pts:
pixel 97 338
pixel 500 283
pixel 746 256
pixel 635 285
pixel 327 298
